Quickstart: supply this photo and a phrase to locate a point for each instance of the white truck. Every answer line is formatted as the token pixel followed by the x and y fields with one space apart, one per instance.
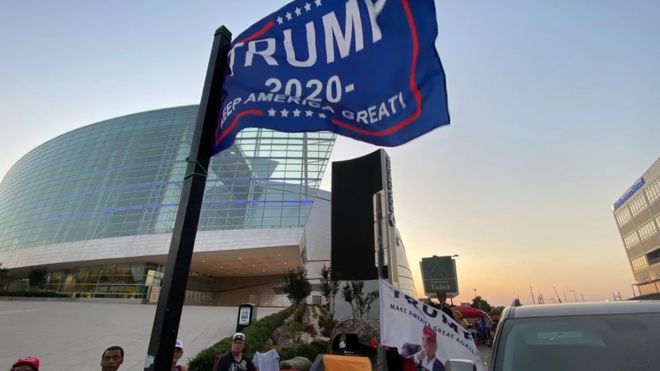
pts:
pixel 617 336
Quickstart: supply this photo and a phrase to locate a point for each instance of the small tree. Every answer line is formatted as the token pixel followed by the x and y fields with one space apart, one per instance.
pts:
pixel 359 301
pixel 329 289
pixel 296 286
pixel 481 304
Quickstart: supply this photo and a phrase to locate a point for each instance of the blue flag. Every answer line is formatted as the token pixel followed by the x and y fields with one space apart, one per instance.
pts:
pixel 366 69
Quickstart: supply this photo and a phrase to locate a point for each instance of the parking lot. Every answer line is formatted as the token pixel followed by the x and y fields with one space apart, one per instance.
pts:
pixel 70 336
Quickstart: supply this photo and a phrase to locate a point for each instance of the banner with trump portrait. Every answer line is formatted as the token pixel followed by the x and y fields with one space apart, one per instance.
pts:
pixel 423 335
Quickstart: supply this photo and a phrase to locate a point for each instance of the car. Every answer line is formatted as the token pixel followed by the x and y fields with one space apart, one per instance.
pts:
pixel 621 335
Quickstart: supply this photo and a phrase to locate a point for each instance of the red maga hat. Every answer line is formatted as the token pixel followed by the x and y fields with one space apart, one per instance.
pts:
pixel 32 361
pixel 428 331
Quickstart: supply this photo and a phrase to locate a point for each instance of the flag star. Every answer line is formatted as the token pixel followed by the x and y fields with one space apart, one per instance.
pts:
pixel 288 16
pixel 309 113
pixel 322 115
pixel 280 20
pixel 298 11
pixel 317 2
pixel 296 113
pixel 271 112
pixel 308 7
pixel 284 113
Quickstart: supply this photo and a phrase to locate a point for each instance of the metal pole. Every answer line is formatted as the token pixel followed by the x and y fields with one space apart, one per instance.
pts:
pixel 173 290
pixel 379 211
pixel 557 294
pixel 385 233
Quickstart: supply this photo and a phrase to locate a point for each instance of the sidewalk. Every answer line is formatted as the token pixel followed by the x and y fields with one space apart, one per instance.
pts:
pixel 70 336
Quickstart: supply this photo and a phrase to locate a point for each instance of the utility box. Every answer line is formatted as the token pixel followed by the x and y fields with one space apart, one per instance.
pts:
pixel 247 313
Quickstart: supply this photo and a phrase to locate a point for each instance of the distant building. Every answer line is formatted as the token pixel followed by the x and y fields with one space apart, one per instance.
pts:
pixel 637 213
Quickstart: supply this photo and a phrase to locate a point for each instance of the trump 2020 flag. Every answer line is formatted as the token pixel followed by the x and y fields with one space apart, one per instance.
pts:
pixel 423 335
pixel 366 69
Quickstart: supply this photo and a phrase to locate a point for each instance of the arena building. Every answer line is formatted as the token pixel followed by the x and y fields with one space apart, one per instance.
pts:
pixel 93 210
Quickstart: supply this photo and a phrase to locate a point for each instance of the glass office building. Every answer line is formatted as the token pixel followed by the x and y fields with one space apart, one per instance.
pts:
pixel 637 214
pixel 96 207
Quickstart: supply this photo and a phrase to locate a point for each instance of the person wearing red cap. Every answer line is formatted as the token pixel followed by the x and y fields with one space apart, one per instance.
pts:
pixel 426 358
pixel 26 364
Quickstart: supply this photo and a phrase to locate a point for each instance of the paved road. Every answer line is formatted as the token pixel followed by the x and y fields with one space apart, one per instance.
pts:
pixel 484 352
pixel 70 336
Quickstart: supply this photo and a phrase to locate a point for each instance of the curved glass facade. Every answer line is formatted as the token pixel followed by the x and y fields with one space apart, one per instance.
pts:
pixel 123 177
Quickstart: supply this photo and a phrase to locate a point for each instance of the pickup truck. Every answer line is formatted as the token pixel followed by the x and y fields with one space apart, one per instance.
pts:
pixel 622 335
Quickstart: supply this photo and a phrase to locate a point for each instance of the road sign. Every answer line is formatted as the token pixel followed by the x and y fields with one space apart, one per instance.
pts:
pixel 439 276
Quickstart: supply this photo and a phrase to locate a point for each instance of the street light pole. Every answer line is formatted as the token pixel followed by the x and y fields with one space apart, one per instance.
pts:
pixel 173 289
pixel 451 298
pixel 475 293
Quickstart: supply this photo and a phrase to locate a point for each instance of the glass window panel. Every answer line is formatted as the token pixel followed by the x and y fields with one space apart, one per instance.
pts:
pixel 123 176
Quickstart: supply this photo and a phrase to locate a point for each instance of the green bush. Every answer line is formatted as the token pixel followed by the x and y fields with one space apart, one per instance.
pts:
pixel 257 336
pixel 292 328
pixel 309 351
pixel 327 324
pixel 38 294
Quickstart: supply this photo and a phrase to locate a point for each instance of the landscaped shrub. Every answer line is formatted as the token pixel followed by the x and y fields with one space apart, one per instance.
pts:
pixel 38 294
pixel 327 324
pixel 309 351
pixel 292 328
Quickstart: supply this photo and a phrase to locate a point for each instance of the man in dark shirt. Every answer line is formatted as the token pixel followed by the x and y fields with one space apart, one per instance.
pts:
pixel 235 360
pixel 112 358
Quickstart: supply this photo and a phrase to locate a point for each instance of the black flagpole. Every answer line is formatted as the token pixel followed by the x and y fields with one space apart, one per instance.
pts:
pixel 173 288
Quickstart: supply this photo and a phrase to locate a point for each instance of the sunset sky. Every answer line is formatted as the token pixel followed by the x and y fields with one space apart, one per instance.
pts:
pixel 554 109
